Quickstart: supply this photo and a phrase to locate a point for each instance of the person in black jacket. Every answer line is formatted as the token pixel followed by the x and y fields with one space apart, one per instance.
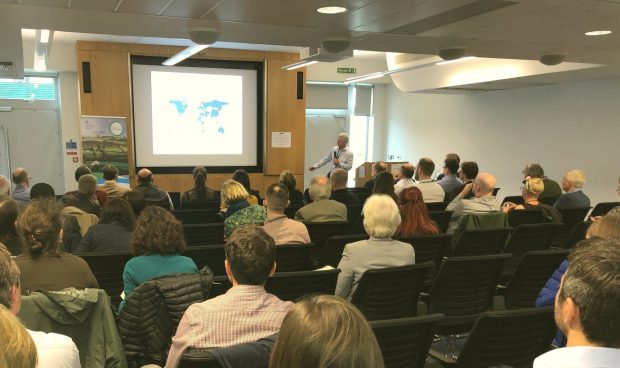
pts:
pixel 340 192
pixel 295 196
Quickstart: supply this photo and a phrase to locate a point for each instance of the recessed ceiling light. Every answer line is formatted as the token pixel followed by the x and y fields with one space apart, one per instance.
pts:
pixel 332 10
pixel 598 33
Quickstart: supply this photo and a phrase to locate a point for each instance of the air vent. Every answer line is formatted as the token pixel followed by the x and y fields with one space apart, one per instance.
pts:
pixel 7 69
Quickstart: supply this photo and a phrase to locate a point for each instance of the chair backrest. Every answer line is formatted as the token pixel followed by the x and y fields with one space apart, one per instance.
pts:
pixel 405 342
pixel 294 285
pixel 573 216
pixel 208 255
pixel 517 199
pixel 441 218
pixel 198 358
pixel 465 285
pixel 530 237
pixel 207 205
pixel 436 206
pixel 204 234
pixel 578 233
pixel 482 241
pixel 321 231
pixel 108 270
pixel 429 248
pixel 548 200
pixel 363 196
pixel 530 276
pixel 391 292
pixel 358 190
pixel 353 214
pixel 290 212
pixel 523 217
pixel 175 197
pixel 602 208
pixel 198 216
pixel 332 252
pixel 508 338
pixel 293 257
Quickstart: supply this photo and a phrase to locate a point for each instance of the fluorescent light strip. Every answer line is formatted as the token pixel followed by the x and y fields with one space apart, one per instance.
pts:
pixel 191 50
pixel 364 77
pixel 300 64
pixel 459 60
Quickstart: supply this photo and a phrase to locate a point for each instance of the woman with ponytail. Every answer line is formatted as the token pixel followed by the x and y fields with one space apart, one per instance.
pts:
pixel 200 192
pixel 44 265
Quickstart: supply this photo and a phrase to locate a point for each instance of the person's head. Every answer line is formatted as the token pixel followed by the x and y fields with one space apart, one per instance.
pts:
pixel 377 167
pixel 119 211
pixel 157 232
pixel 136 201
pixel 450 166
pixel 276 199
pixel 573 179
pixel 17 349
pixel 325 331
pixel 5 187
pixel 9 211
pixel 250 255
pixel 42 190
pixel 10 288
pixel 242 177
pixel 586 306
pixel 532 188
pixel 233 191
pixel 145 176
pixel 320 188
pixel 453 156
pixel 407 170
pixel 484 184
pixel 381 216
pixel 87 185
pixel 607 227
pixel 384 184
pixel 287 179
pixel 425 168
pixel 469 170
pixel 81 171
pixel 533 170
pixel 41 223
pixel 339 179
pixel 414 214
pixel 110 172
pixel 20 177
pixel 343 140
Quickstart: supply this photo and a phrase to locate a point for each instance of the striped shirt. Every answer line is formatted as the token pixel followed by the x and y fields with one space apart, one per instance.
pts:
pixel 245 313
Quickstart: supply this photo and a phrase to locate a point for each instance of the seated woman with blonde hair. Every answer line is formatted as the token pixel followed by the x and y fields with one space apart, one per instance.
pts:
pixel 238 210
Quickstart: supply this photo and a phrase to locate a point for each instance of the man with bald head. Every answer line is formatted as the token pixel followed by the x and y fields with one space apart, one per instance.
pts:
pixel 21 194
pixel 483 202
pixel 322 209
pixel 153 195
pixel 340 192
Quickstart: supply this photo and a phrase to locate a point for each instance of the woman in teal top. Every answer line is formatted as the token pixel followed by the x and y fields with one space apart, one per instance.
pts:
pixel 157 243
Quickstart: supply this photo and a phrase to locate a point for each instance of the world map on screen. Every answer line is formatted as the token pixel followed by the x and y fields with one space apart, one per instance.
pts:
pixel 203 112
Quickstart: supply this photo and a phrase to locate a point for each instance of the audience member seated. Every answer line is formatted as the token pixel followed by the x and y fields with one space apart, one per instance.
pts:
pixel 153 195
pixel 381 219
pixel 531 191
pixel 10 236
pixel 44 266
pixel 322 209
pixel 242 177
pixel 451 156
pixel 467 174
pixel 340 193
pixel 384 184
pixel 5 188
pixel 84 199
pixel 449 181
pixel 21 179
pixel 431 191
pixel 295 196
pixel 111 187
pixel 53 350
pixel 136 201
pixel 114 230
pixel 396 174
pixel 157 244
pixel 377 167
pixel 572 183
pixel 200 192
pixel 414 215
pixel 17 349
pixel 246 312
pixel 483 202
pixel 100 194
pixel 282 229
pixel 238 210
pixel 407 172
pixel 326 331
pixel 586 308
pixel 552 188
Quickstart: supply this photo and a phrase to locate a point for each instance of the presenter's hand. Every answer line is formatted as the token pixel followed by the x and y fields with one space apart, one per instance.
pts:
pixel 312 168
pixel 336 162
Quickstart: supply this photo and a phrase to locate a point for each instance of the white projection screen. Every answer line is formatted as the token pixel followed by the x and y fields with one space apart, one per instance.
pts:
pixel 201 112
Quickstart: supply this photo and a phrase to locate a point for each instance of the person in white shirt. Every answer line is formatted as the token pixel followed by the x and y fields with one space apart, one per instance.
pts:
pixel 407 172
pixel 431 191
pixel 53 350
pixel 586 308
pixel 340 155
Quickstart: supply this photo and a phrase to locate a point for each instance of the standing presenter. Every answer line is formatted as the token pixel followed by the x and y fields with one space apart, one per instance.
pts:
pixel 340 156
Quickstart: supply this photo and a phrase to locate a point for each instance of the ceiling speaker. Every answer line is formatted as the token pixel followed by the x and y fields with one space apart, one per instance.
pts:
pixel 335 45
pixel 451 54
pixel 204 35
pixel 551 59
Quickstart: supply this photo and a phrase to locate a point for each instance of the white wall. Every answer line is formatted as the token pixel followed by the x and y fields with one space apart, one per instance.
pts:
pixel 69 120
pixel 571 125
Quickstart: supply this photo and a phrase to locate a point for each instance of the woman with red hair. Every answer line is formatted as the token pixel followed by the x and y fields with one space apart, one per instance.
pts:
pixel 415 220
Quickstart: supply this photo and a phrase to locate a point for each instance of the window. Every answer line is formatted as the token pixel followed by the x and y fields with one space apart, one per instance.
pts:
pixel 29 88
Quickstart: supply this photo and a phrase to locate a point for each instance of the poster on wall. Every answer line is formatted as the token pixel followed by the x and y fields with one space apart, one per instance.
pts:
pixel 104 142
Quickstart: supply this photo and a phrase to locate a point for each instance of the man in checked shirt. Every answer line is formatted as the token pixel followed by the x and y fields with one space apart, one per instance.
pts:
pixel 246 312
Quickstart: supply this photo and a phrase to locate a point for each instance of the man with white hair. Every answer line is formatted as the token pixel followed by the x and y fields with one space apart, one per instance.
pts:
pixel 322 209
pixel 572 183
pixel 340 155
pixel 5 188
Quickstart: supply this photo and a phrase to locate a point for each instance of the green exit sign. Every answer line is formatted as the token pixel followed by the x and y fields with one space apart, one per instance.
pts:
pixel 346 70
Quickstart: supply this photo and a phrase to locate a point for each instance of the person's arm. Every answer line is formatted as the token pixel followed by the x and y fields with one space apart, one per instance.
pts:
pixel 345 278
pixel 181 341
pixel 546 297
pixel 325 160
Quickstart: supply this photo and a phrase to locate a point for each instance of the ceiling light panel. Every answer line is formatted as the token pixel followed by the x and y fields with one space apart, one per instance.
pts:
pixel 598 33
pixel 332 10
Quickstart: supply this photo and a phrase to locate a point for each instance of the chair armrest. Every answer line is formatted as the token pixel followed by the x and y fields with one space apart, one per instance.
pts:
pixel 443 360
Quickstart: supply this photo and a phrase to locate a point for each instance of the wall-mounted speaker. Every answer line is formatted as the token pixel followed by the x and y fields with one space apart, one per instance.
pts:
pixel 86 86
pixel 300 85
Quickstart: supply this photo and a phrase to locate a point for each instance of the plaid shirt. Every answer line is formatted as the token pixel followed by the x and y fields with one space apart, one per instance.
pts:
pixel 245 313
